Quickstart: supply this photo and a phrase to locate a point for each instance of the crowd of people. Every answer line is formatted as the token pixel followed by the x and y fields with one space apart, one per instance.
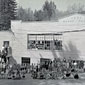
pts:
pixel 58 68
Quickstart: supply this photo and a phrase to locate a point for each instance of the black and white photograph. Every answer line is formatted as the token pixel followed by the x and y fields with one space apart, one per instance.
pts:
pixel 42 42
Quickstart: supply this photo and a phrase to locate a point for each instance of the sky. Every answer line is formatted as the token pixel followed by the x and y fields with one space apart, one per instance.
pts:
pixel 37 4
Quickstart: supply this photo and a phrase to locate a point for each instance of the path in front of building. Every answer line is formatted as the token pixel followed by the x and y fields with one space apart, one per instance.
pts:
pixel 42 82
pixel 30 81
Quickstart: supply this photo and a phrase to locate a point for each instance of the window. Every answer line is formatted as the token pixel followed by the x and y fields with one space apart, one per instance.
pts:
pixel 31 44
pixel 47 45
pixel 25 61
pixel 6 43
pixel 40 44
pixel 58 44
pixel 44 63
pixel 44 41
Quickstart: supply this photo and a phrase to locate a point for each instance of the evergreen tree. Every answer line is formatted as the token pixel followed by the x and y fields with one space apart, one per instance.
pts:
pixel 25 14
pixel 75 8
pixel 39 15
pixel 49 10
pixel 7 13
pixel 12 9
pixel 21 14
pixel 30 15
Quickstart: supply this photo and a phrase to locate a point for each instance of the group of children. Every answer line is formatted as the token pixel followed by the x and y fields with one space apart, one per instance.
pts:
pixel 56 68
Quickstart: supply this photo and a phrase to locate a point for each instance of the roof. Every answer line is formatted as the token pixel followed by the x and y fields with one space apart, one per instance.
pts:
pixel 71 14
pixel 7 32
pixel 50 26
pixel 73 17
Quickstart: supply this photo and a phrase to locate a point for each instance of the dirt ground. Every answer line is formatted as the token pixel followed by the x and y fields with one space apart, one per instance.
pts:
pixel 29 81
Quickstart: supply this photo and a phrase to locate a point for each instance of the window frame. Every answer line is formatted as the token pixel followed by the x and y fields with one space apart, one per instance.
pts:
pixel 54 36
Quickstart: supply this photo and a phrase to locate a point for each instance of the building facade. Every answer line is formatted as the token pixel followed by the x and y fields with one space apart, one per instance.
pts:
pixel 31 41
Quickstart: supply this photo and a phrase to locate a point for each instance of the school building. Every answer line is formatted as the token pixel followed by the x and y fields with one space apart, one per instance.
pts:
pixel 31 41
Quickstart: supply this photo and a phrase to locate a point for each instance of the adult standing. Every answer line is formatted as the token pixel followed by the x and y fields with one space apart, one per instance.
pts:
pixel 9 54
pixel 4 53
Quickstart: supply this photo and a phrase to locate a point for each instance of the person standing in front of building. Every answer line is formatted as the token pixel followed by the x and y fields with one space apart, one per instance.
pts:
pixel 3 56
pixel 9 54
pixel 4 53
